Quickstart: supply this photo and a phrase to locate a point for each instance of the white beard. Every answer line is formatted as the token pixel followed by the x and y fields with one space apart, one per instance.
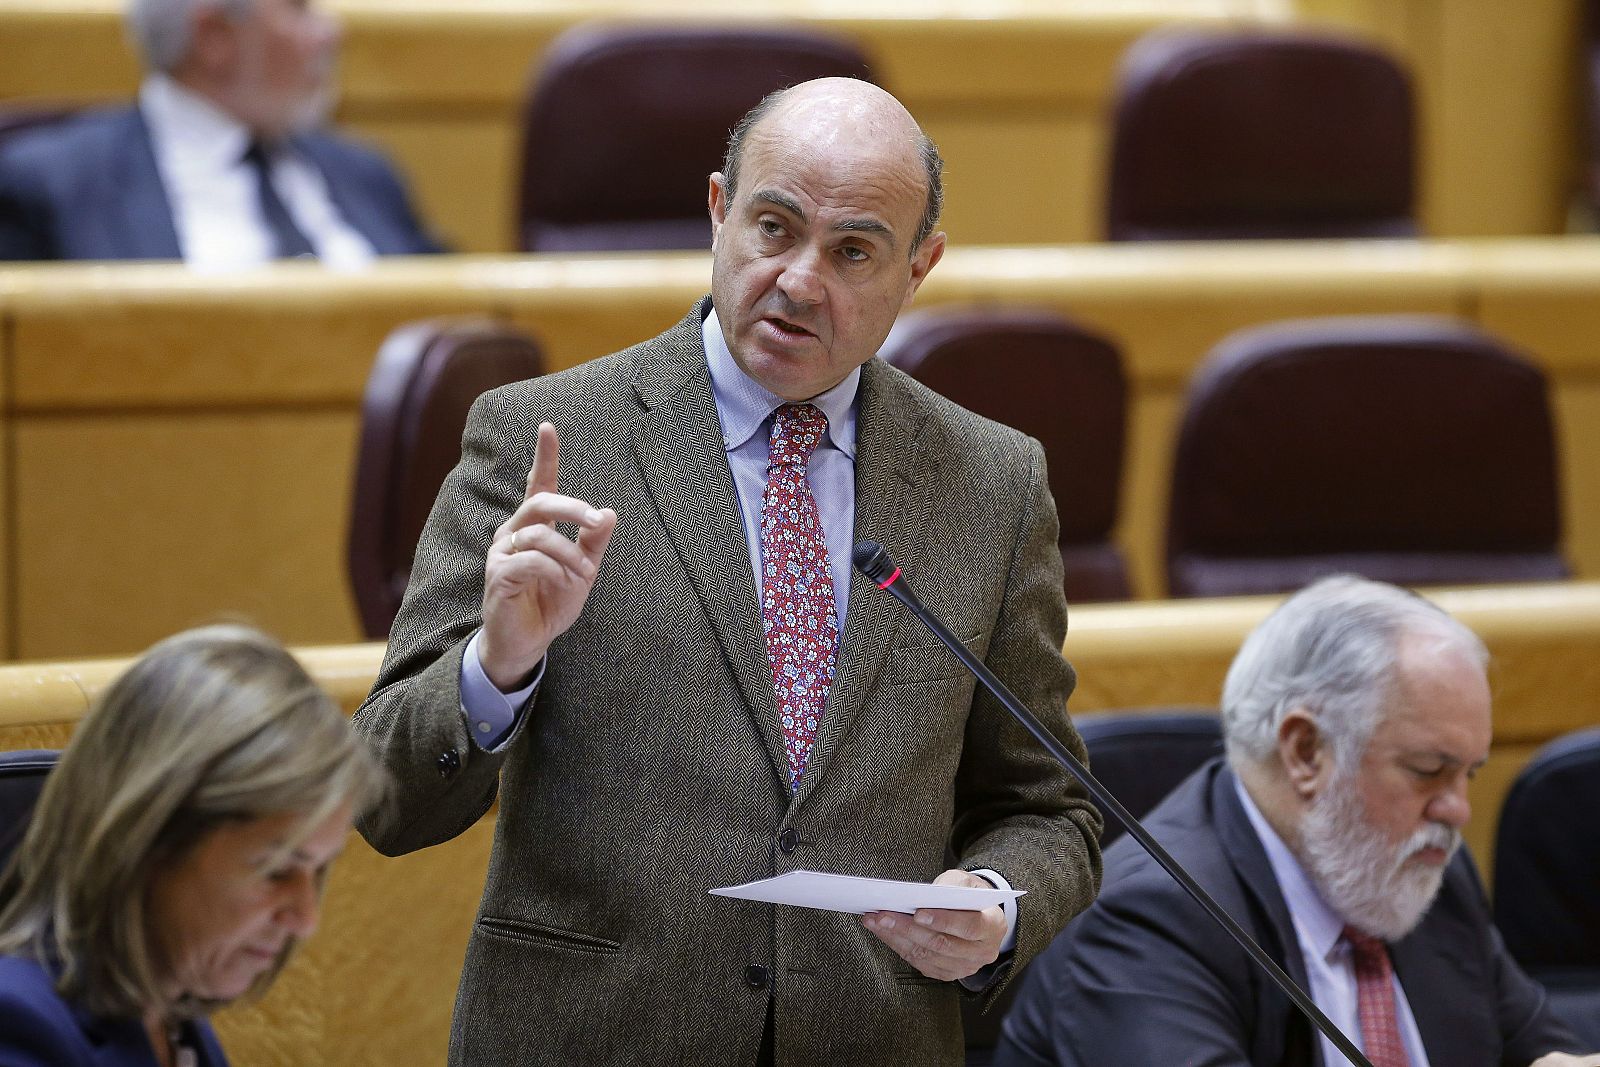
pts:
pixel 1371 884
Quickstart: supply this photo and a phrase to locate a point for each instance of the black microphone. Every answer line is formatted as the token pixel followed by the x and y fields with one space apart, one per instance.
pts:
pixel 872 560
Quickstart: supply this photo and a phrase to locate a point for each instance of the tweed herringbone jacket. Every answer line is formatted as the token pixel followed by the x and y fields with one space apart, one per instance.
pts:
pixel 650 767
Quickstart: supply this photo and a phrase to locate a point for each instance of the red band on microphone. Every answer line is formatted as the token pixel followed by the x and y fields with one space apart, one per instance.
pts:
pixel 886 583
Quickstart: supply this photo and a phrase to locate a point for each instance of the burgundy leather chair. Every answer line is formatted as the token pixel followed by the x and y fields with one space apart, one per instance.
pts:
pixel 1408 449
pixel 1041 374
pixel 418 393
pixel 1260 135
pixel 624 125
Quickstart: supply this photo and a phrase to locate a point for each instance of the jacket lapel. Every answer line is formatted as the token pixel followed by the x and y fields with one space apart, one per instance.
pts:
pixel 685 467
pixel 888 422
pixel 1434 958
pixel 359 204
pixel 143 229
pixel 1249 859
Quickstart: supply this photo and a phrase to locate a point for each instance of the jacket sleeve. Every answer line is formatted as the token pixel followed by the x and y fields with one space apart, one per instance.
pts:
pixel 24 215
pixel 1144 977
pixel 1017 811
pixel 36 1028
pixel 413 718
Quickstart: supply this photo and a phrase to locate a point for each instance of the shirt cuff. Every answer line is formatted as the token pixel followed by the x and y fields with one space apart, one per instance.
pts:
pixel 490 714
pixel 980 980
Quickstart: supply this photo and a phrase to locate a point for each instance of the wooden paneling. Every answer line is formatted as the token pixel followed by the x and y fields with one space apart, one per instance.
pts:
pixel 213 420
pixel 132 526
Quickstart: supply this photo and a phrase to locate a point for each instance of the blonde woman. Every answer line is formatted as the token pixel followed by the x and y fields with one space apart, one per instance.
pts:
pixel 177 855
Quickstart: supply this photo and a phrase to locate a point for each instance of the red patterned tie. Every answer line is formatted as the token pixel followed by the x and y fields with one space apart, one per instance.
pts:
pixel 1380 1029
pixel 796 585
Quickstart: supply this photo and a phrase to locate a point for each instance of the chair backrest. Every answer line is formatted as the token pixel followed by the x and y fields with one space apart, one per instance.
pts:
pixel 624 125
pixel 1547 857
pixel 1044 375
pixel 1141 756
pixel 424 381
pixel 1260 134
pixel 22 776
pixel 1408 449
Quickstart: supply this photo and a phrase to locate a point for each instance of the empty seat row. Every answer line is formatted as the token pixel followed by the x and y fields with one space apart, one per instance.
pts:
pixel 1215 135
pixel 1410 449
pixel 1254 134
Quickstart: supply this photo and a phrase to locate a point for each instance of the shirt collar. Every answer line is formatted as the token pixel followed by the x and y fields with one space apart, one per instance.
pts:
pixel 1318 926
pixel 186 123
pixel 744 404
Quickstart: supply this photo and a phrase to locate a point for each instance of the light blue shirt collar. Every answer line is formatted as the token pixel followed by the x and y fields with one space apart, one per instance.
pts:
pixel 1318 926
pixel 744 404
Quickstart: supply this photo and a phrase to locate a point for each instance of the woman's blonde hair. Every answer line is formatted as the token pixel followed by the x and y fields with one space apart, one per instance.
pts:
pixel 214 725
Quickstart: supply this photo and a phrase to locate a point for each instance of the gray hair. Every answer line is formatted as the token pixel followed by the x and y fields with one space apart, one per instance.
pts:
pixel 213 726
pixel 1330 649
pixel 932 163
pixel 162 29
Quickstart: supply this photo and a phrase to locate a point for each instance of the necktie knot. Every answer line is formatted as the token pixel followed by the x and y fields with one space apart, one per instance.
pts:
pixel 1367 951
pixel 797 430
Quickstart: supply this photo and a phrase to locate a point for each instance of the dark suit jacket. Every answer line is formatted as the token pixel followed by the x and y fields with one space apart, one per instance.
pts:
pixel 650 767
pixel 39 1029
pixel 88 188
pixel 1145 977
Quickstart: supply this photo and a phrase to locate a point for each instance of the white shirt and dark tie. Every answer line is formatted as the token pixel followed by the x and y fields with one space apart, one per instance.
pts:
pixel 237 203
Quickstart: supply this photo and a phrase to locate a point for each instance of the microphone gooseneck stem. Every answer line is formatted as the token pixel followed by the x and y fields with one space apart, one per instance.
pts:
pixel 876 563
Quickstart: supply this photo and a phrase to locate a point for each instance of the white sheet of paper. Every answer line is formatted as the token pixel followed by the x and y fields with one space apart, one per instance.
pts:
pixel 843 892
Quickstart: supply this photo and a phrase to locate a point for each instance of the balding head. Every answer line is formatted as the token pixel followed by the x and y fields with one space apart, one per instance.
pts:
pixel 821 233
pixel 824 111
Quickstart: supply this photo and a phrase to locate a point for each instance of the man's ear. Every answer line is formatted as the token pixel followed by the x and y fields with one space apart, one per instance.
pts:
pixel 717 205
pixel 928 254
pixel 1303 750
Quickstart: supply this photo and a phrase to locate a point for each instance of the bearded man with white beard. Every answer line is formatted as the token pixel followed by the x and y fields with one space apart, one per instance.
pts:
pixel 1353 716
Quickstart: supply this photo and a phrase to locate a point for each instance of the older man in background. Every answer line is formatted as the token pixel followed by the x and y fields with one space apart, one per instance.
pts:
pixel 1354 717
pixel 220 163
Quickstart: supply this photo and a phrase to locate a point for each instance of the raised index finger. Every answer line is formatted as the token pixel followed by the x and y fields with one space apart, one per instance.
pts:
pixel 546 455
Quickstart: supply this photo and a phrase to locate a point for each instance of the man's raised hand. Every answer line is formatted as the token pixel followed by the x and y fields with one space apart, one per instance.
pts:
pixel 536 578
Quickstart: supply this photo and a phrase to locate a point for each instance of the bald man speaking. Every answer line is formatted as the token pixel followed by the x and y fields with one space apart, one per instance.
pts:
pixel 694 691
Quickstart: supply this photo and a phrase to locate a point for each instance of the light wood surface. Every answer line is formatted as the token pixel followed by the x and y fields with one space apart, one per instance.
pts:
pixel 376 984
pixel 1018 93
pixel 181 447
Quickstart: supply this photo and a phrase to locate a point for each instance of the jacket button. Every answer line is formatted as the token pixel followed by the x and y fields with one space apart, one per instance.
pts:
pixel 788 840
pixel 755 976
pixel 447 763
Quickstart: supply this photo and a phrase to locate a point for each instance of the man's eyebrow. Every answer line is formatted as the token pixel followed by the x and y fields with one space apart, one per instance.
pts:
pixel 868 226
pixel 792 206
pixel 788 203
